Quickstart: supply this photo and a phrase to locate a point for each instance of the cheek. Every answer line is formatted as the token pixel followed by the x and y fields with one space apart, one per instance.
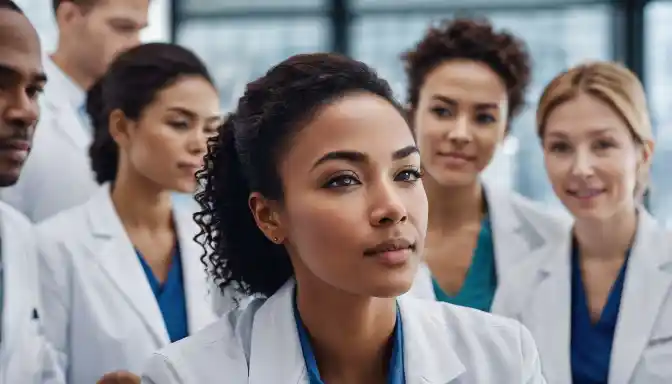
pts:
pixel 486 140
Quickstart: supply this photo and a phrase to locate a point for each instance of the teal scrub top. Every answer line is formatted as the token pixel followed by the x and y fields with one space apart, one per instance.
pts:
pixel 480 283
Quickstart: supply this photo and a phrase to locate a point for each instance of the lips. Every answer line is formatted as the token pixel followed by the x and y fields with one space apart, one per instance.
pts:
pixel 457 156
pixel 586 193
pixel 392 245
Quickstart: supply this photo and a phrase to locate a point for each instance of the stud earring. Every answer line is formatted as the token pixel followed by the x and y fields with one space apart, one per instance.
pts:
pixel 275 239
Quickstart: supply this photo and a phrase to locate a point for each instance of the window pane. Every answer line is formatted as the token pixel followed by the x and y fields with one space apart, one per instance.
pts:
pixel 557 39
pixel 202 6
pixel 239 51
pixel 418 4
pixel 658 79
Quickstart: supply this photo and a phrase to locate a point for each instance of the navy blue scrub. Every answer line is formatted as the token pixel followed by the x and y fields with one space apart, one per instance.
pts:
pixel 396 368
pixel 170 296
pixel 591 342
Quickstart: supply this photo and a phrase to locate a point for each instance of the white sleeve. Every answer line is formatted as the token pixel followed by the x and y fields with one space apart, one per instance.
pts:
pixel 159 370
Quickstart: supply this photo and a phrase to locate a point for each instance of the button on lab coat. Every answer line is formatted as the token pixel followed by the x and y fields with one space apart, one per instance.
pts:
pixel 103 314
pixel 443 344
pixel 25 355
pixel 642 346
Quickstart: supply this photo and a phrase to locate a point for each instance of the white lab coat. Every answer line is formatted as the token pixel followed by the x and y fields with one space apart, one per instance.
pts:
pixel 57 174
pixel 519 227
pixel 442 344
pixel 642 346
pixel 25 355
pixel 103 315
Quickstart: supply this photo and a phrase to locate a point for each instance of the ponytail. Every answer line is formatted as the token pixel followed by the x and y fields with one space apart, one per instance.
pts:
pixel 103 152
pixel 235 251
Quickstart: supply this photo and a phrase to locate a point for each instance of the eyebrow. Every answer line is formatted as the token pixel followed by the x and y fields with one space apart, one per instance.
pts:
pixel 193 115
pixel 453 102
pixel 359 157
pixel 595 132
pixel 38 77
pixel 127 22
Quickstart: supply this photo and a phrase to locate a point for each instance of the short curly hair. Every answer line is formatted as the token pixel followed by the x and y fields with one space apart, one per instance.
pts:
pixel 471 39
pixel 244 158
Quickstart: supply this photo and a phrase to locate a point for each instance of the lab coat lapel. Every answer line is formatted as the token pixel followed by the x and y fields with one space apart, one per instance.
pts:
pixel 275 348
pixel 198 297
pixel 548 301
pixel 647 283
pixel 428 356
pixel 114 252
pixel 19 301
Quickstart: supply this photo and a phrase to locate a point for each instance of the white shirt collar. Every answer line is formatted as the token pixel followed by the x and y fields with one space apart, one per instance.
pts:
pixel 62 85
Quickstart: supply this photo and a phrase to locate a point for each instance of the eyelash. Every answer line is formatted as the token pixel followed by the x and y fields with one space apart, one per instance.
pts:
pixel 415 175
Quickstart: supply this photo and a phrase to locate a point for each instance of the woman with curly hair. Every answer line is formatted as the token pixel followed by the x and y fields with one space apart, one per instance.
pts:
pixel 467 83
pixel 313 202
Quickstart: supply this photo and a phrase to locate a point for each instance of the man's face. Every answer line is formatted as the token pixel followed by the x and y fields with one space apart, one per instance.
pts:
pixel 21 81
pixel 108 28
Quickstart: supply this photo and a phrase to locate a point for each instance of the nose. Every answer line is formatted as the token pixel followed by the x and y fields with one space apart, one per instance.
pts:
pixel 583 163
pixel 22 110
pixel 387 206
pixel 461 132
pixel 198 142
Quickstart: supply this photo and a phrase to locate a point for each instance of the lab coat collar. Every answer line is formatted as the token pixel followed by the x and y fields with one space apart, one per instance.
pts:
pixel 647 284
pixel 63 100
pixel 276 351
pixel 115 253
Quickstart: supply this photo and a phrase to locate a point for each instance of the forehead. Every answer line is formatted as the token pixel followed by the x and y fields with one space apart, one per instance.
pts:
pixel 19 44
pixel 583 115
pixel 360 122
pixel 192 93
pixel 128 9
pixel 465 80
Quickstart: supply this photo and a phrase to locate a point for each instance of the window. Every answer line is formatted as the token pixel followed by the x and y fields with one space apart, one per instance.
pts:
pixel 200 7
pixel 658 59
pixel 557 39
pixel 238 51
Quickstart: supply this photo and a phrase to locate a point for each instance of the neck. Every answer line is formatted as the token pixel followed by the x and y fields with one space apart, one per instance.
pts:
pixel 350 334
pixel 64 61
pixel 606 238
pixel 140 204
pixel 453 206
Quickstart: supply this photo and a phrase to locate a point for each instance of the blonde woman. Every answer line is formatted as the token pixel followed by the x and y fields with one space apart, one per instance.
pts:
pixel 598 299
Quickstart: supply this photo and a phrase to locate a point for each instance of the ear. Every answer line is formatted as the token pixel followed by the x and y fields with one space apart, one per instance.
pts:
pixel 120 126
pixel 645 154
pixel 68 12
pixel 267 216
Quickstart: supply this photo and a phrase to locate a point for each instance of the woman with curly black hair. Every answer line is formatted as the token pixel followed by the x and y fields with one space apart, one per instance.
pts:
pixel 467 83
pixel 121 273
pixel 312 200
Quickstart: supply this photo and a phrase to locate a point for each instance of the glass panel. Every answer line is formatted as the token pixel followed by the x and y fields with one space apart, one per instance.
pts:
pixel 658 58
pixel 238 51
pixel 557 39
pixel 203 6
pixel 453 4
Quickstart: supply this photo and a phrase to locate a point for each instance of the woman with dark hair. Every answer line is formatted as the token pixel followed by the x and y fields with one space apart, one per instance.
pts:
pixel 312 200
pixel 467 83
pixel 121 274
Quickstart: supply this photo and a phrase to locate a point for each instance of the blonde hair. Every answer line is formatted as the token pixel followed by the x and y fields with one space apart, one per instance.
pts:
pixel 614 85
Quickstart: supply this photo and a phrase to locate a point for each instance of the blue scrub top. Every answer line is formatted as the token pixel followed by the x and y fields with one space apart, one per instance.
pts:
pixel 591 342
pixel 396 368
pixel 480 284
pixel 170 296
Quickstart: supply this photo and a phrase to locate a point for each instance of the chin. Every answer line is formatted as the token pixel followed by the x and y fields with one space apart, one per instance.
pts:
pixel 392 286
pixel 451 178
pixel 7 179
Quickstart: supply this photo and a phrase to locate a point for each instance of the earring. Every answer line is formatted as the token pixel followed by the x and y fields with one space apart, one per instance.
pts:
pixel 275 239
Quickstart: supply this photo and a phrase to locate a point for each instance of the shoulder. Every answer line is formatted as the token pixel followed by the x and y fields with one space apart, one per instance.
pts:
pixel 220 347
pixel 486 345
pixel 12 217
pixel 62 222
pixel 540 212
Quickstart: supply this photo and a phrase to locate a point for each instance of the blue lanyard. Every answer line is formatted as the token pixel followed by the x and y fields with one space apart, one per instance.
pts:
pixel 396 368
